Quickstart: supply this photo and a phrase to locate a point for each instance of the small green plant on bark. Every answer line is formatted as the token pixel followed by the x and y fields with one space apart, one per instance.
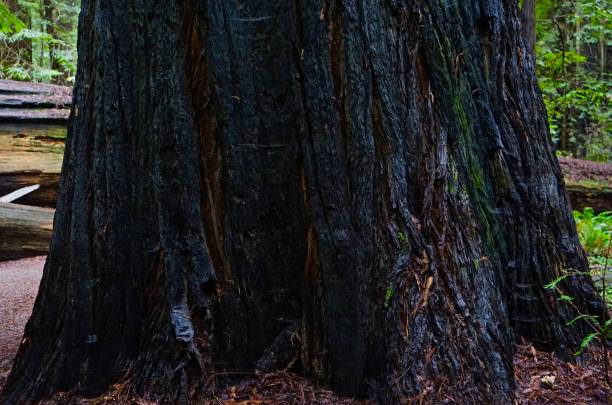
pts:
pixel 388 296
pixel 402 240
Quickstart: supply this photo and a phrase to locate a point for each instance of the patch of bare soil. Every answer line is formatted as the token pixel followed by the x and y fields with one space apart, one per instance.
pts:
pixel 19 280
pixel 541 378
pixel 578 171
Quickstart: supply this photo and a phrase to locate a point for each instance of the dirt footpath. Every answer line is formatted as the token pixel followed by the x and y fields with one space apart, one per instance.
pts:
pixel 19 280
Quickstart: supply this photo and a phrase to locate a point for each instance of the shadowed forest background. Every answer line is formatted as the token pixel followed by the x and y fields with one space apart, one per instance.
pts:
pixel 571 43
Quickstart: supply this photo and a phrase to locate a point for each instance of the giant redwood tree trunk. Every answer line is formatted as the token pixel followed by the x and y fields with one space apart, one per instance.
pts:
pixel 373 177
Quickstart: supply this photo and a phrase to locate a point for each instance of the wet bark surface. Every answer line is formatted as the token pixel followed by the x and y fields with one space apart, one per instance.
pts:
pixel 379 173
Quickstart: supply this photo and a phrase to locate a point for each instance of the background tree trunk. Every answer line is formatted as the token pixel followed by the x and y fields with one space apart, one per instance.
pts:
pixel 529 25
pixel 375 175
pixel 16 51
pixel 48 14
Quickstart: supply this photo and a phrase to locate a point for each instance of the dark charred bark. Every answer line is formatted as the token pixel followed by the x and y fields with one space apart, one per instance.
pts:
pixel 378 172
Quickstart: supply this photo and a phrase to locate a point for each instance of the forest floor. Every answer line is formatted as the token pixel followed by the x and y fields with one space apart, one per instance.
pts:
pixel 541 378
pixel 19 281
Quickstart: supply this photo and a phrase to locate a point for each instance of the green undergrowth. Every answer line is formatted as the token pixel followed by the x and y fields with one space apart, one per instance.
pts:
pixel 595 232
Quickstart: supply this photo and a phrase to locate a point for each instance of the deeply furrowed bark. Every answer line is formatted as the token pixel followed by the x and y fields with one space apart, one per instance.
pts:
pixel 377 172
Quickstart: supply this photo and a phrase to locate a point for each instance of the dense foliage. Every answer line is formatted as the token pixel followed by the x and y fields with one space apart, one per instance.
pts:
pixel 572 49
pixel 595 233
pixel 38 40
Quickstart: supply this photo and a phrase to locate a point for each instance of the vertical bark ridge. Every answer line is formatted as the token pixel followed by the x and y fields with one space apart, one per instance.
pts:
pixel 255 127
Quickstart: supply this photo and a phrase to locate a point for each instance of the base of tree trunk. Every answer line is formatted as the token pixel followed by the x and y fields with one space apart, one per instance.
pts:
pixel 377 173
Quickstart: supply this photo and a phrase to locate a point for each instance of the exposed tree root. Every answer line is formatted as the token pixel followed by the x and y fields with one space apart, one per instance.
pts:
pixel 283 353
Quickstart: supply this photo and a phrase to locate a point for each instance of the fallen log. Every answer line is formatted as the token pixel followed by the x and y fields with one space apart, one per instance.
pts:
pixel 15 195
pixel 46 115
pixel 45 196
pixel 24 230
pixel 31 154
pixel 18 87
pixel 589 184
pixel 598 199
pixel 34 102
